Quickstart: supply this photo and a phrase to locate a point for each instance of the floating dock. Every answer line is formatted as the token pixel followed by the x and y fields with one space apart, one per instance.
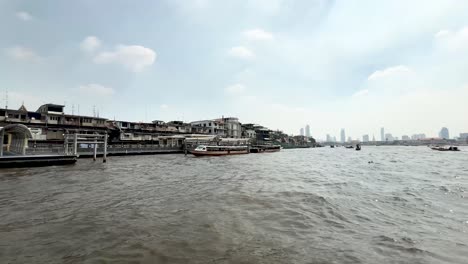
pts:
pixel 36 160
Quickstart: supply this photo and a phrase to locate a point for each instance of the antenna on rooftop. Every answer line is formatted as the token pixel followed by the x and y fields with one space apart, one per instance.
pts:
pixel 6 98
pixel 94 110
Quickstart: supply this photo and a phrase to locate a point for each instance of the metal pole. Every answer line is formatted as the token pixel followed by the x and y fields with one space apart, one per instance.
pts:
pixel 65 142
pixel 104 159
pixel 75 145
pixel 2 135
pixel 95 150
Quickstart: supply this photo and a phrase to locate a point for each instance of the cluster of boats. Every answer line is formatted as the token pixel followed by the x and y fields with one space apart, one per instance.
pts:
pixel 209 150
pixel 358 147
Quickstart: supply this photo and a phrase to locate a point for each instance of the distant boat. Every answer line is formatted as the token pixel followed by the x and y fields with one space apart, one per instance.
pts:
pixel 332 146
pixel 349 147
pixel 203 150
pixel 445 149
pixel 358 147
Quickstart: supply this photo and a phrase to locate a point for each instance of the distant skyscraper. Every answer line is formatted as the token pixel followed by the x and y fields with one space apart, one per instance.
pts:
pixel 302 131
pixel 382 134
pixel 405 137
pixel 365 138
pixel 334 139
pixel 444 133
pixel 373 138
pixel 343 136
pixel 329 139
pixel 307 131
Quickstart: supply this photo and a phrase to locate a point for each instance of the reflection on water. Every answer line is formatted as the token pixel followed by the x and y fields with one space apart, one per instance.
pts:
pixel 296 206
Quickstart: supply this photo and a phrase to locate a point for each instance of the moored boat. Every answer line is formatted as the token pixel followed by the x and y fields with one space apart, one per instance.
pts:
pixel 265 148
pixel 203 150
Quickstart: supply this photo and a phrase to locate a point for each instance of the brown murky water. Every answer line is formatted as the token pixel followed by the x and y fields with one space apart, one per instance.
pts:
pixel 296 206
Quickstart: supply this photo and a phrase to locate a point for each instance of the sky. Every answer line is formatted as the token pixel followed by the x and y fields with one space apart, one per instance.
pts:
pixel 359 65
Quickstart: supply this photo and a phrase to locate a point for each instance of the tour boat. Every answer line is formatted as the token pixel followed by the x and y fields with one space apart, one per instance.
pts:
pixel 203 150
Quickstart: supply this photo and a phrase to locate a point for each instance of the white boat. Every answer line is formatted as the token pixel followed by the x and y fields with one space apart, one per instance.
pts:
pixel 203 150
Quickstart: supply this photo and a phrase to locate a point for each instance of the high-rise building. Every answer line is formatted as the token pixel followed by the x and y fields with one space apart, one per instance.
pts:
pixel 464 135
pixel 444 133
pixel 382 134
pixel 350 139
pixel 405 137
pixel 365 138
pixel 307 131
pixel 301 131
pixel 343 136
pixel 329 138
pixel 334 139
pixel 373 138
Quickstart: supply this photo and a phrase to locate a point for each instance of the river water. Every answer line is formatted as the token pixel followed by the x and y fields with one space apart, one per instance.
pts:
pixel 323 205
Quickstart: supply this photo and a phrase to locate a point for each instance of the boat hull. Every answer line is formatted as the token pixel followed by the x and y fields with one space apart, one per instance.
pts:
pixel 219 153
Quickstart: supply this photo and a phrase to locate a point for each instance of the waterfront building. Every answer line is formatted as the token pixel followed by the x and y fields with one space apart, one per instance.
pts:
pixel 350 140
pixel 334 139
pixel 232 126
pixel 405 137
pixel 373 138
pixel 464 136
pixel 418 136
pixel 329 138
pixel 389 137
pixel 444 133
pixel 365 138
pixel 382 134
pixel 211 127
pixel 301 131
pixel 343 136
pixel 50 122
pixel 307 131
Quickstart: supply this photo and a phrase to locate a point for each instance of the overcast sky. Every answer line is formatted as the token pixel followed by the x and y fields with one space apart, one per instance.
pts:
pixel 358 65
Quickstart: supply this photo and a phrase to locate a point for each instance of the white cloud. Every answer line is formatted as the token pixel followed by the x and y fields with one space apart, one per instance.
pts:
pixel 361 93
pixel 164 106
pixel 90 44
pixel 96 90
pixel 395 71
pixel 257 34
pixel 241 52
pixel 235 89
pixel 22 53
pixel 453 40
pixel 25 16
pixel 442 33
pixel 133 57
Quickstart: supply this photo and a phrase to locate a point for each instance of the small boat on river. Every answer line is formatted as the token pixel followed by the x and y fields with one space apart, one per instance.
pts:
pixel 445 149
pixel 203 150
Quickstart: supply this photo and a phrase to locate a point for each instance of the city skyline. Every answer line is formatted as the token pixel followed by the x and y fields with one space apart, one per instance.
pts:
pixel 209 58
pixel 444 133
